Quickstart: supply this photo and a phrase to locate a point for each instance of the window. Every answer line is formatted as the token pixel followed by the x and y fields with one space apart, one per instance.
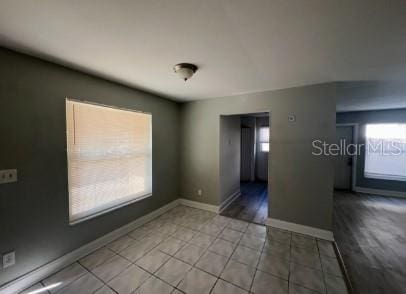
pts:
pixel 109 154
pixel 264 139
pixel 385 156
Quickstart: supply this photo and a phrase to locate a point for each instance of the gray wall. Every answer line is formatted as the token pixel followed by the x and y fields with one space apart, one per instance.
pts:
pixel 363 118
pixel 230 155
pixel 34 211
pixel 370 95
pixel 301 184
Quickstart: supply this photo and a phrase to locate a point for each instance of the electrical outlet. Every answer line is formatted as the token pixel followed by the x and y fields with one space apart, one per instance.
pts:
pixel 8 176
pixel 199 192
pixel 9 259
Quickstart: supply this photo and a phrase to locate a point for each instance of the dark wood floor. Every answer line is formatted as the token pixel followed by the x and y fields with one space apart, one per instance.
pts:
pixel 252 205
pixel 370 232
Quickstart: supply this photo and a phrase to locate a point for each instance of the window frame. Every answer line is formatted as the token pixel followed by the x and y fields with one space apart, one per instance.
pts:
pixel 117 206
pixel 263 143
pixel 378 176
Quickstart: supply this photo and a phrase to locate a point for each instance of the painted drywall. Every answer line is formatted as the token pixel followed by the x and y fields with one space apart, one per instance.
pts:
pixel 34 211
pixel 230 155
pixel 301 184
pixel 370 95
pixel 261 157
pixel 363 118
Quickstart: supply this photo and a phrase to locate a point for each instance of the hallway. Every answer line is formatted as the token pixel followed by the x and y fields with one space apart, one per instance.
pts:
pixel 252 205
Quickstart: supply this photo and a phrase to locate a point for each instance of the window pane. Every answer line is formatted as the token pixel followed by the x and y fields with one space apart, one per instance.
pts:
pixel 263 139
pixel 109 158
pixel 385 156
pixel 264 134
pixel 265 147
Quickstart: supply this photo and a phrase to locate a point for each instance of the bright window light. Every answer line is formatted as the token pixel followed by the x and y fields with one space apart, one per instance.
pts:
pixel 109 154
pixel 386 131
pixel 264 147
pixel 264 139
pixel 385 152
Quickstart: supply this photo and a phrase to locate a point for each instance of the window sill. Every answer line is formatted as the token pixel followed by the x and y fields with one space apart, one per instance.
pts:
pixel 384 177
pixel 105 211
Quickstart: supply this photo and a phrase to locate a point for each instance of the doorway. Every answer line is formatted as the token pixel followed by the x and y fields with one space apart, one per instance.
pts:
pixel 250 201
pixel 344 163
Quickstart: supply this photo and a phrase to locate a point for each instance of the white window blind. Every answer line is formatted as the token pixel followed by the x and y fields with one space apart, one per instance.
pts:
pixel 109 154
pixel 385 156
pixel 264 139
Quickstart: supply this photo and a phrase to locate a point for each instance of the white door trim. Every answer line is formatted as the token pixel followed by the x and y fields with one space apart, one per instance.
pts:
pixel 355 134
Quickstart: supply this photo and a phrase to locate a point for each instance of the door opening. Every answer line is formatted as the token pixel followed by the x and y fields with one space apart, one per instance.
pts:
pixel 244 151
pixel 344 162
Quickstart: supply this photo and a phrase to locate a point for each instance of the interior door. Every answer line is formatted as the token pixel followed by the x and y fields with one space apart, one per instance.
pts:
pixel 343 163
pixel 246 149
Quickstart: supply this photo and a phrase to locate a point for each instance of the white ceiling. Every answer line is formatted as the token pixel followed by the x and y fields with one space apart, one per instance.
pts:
pixel 241 46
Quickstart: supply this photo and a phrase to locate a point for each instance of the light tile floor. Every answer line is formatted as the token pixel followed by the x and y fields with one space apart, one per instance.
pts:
pixel 188 250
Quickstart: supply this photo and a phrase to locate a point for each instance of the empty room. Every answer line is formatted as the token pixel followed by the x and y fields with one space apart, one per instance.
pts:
pixel 219 147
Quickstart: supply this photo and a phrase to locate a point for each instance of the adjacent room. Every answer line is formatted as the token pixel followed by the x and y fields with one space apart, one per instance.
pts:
pixel 217 147
pixel 369 200
pixel 245 165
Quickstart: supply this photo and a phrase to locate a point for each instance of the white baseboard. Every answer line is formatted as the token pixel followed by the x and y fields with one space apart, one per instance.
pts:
pixel 311 231
pixel 199 205
pixel 230 199
pixel 380 192
pixel 38 274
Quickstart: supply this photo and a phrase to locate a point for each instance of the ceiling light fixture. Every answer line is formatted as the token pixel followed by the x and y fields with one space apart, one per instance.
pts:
pixel 185 70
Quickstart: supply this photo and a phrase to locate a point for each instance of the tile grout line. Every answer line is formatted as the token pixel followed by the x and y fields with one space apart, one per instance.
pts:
pixel 188 242
pixel 259 259
pixel 218 277
pixel 74 280
pixel 162 237
pixel 115 253
pixel 314 269
pixel 236 245
pixel 173 256
pixel 146 253
pixel 91 272
pixel 206 250
pixel 230 258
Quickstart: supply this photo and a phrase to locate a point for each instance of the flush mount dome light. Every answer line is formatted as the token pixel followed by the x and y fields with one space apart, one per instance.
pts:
pixel 185 70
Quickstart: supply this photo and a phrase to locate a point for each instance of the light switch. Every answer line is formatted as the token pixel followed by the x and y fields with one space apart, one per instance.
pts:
pixel 9 259
pixel 8 176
